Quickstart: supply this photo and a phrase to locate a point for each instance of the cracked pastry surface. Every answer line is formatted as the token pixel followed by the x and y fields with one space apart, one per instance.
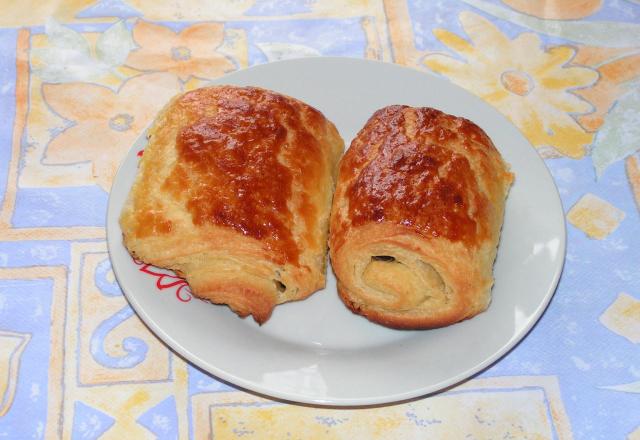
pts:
pixel 416 218
pixel 233 193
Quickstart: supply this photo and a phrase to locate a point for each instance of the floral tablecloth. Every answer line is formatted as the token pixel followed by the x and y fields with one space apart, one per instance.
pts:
pixel 79 80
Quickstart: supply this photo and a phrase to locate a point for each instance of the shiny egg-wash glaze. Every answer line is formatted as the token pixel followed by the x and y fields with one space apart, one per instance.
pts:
pixel 416 218
pixel 233 193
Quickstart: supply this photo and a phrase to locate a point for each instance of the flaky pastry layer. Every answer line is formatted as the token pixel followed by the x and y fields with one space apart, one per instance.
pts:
pixel 416 218
pixel 233 193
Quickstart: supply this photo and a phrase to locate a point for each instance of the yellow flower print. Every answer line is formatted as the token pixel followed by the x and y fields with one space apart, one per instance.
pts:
pixel 617 67
pixel 529 85
pixel 192 52
pixel 105 122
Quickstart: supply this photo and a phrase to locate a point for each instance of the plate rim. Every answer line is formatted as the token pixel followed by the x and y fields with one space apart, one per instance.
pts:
pixel 358 402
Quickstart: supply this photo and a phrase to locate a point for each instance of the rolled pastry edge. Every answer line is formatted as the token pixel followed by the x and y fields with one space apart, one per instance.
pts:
pixel 239 273
pixel 400 279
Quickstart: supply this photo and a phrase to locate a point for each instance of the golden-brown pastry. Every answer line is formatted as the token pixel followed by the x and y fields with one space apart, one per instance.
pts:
pixel 416 218
pixel 234 193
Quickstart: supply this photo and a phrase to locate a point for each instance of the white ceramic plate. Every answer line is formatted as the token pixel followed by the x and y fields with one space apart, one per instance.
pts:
pixel 316 351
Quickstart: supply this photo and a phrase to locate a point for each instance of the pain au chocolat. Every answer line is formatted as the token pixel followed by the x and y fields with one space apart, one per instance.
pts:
pixel 416 218
pixel 233 193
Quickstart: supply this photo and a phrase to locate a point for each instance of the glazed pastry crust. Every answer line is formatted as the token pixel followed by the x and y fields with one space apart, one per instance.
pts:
pixel 416 218
pixel 234 193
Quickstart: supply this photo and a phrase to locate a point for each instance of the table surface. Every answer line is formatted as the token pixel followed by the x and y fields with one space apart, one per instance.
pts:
pixel 79 80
